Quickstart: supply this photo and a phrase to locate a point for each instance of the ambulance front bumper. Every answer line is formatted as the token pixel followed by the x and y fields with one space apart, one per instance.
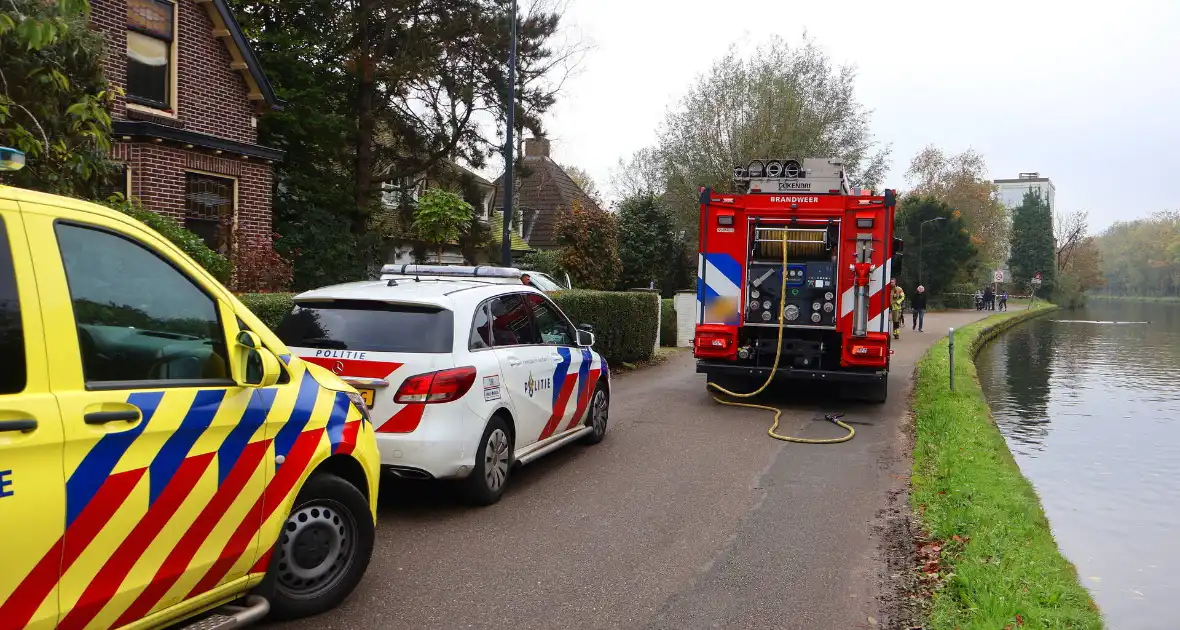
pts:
pixel 722 368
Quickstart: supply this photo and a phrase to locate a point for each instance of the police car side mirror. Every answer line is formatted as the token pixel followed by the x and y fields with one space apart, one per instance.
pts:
pixel 586 327
pixel 585 338
pixel 256 365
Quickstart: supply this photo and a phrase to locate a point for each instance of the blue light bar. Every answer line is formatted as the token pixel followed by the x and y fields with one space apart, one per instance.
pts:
pixel 453 271
pixel 11 160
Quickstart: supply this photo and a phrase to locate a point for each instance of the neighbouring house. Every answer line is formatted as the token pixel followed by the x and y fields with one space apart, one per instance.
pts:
pixel 476 190
pixel 542 194
pixel 186 127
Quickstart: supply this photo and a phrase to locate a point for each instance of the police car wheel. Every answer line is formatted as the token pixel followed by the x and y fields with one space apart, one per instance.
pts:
pixel 493 465
pixel 597 416
pixel 323 550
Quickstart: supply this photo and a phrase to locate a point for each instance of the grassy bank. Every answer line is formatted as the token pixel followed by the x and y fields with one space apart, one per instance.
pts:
pixel 999 565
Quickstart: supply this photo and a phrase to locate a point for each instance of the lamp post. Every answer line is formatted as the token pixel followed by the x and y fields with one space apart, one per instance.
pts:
pixel 921 227
pixel 506 245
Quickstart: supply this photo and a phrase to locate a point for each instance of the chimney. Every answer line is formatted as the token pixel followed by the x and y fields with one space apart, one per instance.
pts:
pixel 536 147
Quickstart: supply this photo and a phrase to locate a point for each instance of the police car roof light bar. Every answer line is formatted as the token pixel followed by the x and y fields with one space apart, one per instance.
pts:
pixel 455 271
pixel 11 160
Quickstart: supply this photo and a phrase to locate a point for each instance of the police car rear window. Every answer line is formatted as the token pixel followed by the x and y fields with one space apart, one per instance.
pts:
pixel 372 326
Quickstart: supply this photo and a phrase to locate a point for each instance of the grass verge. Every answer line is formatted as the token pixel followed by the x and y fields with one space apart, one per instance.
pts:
pixel 999 566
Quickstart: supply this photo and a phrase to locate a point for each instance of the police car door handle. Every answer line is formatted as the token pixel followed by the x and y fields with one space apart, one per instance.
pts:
pixel 103 417
pixel 24 425
pixel 556 357
pixel 513 361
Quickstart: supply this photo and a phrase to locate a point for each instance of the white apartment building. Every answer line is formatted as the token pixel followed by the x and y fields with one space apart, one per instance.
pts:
pixel 1012 190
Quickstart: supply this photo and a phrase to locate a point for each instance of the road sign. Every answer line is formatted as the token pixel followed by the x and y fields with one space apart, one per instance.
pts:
pixel 1037 278
pixel 999 275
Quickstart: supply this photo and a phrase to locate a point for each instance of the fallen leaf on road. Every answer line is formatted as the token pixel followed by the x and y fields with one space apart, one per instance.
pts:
pixel 1019 620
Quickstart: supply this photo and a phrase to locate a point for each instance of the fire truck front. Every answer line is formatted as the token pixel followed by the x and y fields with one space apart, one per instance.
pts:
pixel 791 280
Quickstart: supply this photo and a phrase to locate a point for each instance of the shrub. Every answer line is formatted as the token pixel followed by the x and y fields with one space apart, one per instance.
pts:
pixel 589 240
pixel 216 264
pixel 668 323
pixel 624 322
pixel 271 308
pixel 259 268
pixel 547 261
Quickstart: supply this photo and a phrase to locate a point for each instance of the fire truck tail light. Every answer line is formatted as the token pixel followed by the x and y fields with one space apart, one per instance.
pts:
pixel 868 351
pixel 864 223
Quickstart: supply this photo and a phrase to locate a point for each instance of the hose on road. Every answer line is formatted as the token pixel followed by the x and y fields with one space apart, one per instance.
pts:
pixel 782 320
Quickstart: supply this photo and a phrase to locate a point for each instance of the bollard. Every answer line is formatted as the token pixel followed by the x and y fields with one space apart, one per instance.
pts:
pixel 951 348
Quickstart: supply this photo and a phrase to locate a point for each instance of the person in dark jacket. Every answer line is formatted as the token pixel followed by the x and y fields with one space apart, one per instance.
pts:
pixel 918 306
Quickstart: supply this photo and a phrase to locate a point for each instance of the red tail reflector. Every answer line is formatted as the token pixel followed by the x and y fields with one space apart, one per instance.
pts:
pixel 436 387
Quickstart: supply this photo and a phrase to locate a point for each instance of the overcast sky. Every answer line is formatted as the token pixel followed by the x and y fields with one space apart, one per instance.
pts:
pixel 1086 93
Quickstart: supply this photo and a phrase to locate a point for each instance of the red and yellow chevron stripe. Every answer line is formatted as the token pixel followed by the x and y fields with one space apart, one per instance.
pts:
pixel 186 502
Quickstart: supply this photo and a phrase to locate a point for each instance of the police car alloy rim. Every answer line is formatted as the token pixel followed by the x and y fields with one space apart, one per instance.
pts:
pixel 598 412
pixel 315 549
pixel 495 460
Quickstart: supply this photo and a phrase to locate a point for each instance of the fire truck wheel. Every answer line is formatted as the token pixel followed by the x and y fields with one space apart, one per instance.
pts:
pixel 877 392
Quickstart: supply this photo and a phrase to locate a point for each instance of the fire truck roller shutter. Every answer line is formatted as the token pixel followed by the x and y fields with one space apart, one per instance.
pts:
pixel 719 293
pixel 797 251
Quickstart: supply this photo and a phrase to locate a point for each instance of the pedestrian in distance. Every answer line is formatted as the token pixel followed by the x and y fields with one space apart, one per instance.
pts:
pixel 918 305
pixel 896 301
pixel 1004 300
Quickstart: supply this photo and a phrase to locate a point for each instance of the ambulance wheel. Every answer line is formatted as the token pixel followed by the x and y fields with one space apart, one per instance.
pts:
pixel 493 465
pixel 597 415
pixel 323 550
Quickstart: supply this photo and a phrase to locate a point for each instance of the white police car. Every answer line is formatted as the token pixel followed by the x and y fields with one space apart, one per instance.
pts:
pixel 465 374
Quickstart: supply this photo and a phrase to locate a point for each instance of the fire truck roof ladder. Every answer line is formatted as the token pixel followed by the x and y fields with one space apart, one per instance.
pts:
pixel 813 176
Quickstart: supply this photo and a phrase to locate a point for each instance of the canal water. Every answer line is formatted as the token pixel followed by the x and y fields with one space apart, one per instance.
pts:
pixel 1091 411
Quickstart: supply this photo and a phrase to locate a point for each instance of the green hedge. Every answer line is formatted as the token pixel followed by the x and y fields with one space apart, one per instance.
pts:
pixel 624 321
pixel 269 307
pixel 668 323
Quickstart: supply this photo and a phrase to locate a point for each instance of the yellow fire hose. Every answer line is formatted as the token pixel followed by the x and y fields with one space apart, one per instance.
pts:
pixel 770 377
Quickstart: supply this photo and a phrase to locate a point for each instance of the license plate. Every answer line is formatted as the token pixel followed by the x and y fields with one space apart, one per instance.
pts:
pixel 367 395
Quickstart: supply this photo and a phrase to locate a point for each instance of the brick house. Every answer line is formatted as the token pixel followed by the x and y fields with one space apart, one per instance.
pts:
pixel 542 194
pixel 185 129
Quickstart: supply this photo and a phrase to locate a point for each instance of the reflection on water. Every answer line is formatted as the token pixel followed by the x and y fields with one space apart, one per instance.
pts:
pixel 1091 412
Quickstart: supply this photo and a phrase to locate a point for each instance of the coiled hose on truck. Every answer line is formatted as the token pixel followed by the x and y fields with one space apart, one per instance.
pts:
pixel 782 321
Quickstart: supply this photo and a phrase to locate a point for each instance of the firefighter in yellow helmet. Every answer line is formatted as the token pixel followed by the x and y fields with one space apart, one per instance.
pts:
pixel 896 300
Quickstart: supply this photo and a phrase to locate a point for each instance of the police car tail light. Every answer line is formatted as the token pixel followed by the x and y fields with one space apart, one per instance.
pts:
pixel 436 387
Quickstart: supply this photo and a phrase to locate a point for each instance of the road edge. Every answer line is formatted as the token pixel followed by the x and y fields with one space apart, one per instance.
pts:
pixel 989 559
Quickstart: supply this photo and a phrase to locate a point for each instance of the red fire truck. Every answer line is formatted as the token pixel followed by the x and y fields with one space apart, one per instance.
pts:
pixel 834 315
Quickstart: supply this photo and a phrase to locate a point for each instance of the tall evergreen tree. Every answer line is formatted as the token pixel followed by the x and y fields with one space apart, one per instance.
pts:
pixel 648 243
pixel 1032 242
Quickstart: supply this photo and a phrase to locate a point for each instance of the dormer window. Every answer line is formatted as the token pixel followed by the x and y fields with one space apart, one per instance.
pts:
pixel 151 28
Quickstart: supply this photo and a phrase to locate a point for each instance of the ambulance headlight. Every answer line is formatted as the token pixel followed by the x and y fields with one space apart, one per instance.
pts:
pixel 791 312
pixel 815 317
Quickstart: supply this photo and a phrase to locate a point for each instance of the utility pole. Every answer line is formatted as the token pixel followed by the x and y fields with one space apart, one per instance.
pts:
pixel 509 153
pixel 921 227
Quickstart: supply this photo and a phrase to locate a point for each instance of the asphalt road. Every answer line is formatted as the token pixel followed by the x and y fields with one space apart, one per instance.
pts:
pixel 686 516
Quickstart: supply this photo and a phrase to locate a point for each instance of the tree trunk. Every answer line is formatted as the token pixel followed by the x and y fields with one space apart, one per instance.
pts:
pixel 365 120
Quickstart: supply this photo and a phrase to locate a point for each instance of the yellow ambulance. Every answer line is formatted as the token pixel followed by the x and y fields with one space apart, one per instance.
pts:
pixel 163 456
